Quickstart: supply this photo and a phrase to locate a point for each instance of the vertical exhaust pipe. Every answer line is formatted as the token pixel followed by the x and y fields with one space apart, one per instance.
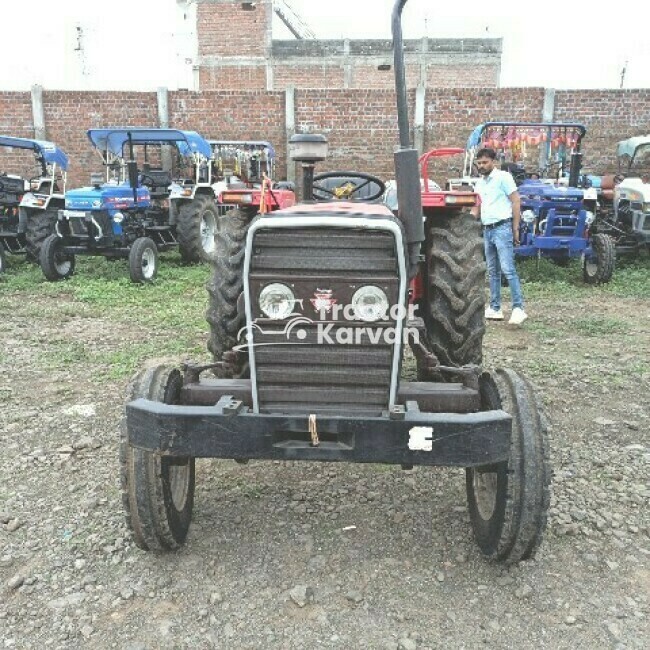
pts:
pixel 407 173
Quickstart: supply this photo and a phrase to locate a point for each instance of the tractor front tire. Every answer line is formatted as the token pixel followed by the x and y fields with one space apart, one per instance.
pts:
pixel 226 285
pixel 599 268
pixel 197 223
pixel 157 491
pixel 40 225
pixel 453 306
pixel 143 261
pixel 56 264
pixel 509 501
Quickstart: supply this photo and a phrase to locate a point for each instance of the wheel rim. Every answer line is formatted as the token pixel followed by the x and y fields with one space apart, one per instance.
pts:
pixel 485 492
pixel 208 231
pixel 179 481
pixel 148 263
pixel 62 263
pixel 591 266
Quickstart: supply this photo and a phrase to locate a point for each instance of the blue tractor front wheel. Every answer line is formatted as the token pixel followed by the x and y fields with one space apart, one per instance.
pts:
pixel 56 263
pixel 598 267
pixel 143 261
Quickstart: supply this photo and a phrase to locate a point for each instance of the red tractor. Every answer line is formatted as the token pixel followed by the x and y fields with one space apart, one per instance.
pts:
pixel 309 323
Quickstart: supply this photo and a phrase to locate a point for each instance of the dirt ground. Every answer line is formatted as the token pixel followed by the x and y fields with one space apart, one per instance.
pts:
pixel 384 557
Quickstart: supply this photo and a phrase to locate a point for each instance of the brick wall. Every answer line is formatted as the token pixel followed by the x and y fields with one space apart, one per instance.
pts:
pixel 312 76
pixel 68 115
pixel 361 124
pixel 232 77
pixel 224 28
pixel 16 120
pixel 610 116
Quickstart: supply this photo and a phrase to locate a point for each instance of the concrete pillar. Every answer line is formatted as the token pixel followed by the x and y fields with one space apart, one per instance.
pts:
pixel 418 120
pixel 424 50
pixel 290 127
pixel 347 65
pixel 38 114
pixel 163 123
pixel 548 115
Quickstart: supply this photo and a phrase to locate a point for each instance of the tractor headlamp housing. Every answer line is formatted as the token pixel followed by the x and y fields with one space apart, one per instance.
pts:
pixel 590 218
pixel 370 303
pixel 277 301
pixel 118 217
pixel 528 216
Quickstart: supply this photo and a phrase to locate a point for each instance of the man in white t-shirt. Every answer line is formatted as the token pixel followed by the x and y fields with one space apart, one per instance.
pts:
pixel 500 213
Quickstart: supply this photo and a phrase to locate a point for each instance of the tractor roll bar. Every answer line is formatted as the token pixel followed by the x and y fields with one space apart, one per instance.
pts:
pixel 407 175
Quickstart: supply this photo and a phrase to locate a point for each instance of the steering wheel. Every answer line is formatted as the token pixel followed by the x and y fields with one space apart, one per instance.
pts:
pixel 348 188
pixel 144 178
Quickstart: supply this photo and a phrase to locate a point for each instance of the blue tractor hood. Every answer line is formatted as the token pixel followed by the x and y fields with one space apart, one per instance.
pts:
pixel 50 153
pixel 546 192
pixel 106 197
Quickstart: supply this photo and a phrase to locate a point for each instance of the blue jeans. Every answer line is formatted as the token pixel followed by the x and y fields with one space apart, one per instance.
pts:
pixel 500 258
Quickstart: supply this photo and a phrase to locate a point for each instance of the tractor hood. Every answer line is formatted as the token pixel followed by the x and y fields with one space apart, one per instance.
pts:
pixel 538 190
pixel 106 197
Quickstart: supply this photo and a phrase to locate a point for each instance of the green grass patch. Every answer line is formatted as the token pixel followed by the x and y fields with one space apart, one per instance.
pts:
pixel 543 279
pixel 599 326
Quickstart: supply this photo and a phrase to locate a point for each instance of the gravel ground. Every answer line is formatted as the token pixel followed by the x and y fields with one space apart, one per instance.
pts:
pixel 291 555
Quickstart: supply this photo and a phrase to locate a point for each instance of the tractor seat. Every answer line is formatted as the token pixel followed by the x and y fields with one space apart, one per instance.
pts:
pixel 607 185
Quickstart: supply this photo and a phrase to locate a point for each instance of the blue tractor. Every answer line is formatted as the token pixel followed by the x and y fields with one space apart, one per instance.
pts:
pixel 557 211
pixel 137 209
pixel 29 203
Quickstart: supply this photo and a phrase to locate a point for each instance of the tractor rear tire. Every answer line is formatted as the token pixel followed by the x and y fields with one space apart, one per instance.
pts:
pixel 197 223
pixel 453 307
pixel 56 264
pixel 157 491
pixel 508 502
pixel 3 260
pixel 143 261
pixel 226 285
pixel 40 225
pixel 600 267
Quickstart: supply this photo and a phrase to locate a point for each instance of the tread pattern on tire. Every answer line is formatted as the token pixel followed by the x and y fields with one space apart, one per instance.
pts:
pixel 141 471
pixel 135 260
pixel 40 225
pixel 47 259
pixel 225 286
pixel 531 455
pixel 188 228
pixel 528 489
pixel 454 304
pixel 605 252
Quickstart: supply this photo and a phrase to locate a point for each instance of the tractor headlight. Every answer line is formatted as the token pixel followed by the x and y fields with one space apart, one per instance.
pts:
pixel 370 303
pixel 528 216
pixel 589 219
pixel 118 217
pixel 277 301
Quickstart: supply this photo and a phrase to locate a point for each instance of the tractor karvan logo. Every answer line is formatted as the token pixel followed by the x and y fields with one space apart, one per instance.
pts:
pixel 330 328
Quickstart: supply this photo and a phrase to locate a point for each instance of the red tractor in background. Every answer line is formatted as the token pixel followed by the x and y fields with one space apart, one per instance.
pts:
pixel 308 325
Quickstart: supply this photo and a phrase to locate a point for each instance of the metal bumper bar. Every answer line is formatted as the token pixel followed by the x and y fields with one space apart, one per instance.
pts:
pixel 408 436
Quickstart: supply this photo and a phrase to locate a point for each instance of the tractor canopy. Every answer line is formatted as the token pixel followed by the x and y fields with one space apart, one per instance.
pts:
pixel 114 139
pixel 251 145
pixel 536 132
pixel 630 148
pixel 47 151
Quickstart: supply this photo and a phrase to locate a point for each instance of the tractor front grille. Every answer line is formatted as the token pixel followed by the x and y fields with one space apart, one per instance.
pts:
pixel 298 368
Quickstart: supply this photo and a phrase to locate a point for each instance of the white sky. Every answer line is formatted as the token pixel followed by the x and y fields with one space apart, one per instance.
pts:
pixel 129 44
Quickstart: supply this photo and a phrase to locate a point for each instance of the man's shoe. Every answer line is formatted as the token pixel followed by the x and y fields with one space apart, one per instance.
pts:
pixel 493 314
pixel 518 316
